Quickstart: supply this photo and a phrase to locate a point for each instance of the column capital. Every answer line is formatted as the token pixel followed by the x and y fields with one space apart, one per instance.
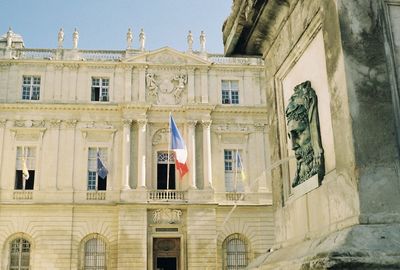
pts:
pixel 127 122
pixel 191 123
pixel 3 122
pixel 206 123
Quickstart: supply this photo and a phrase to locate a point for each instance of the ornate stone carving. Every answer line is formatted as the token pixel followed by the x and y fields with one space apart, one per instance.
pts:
pixel 54 123
pixel 161 136
pixel 165 89
pixel 71 123
pixel 29 123
pixel 3 122
pixel 303 131
pixel 167 216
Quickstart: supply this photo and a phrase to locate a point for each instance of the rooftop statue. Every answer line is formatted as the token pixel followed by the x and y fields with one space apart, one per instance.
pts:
pixel 190 41
pixel 75 38
pixel 60 38
pixel 202 42
pixel 304 133
pixel 9 37
pixel 142 39
pixel 129 38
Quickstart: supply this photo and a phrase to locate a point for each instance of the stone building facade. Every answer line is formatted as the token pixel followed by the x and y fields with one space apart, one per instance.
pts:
pixel 64 113
pixel 348 52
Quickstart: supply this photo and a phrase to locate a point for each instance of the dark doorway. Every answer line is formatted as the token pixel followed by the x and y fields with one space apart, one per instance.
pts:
pixel 166 253
pixel 162 176
pixel 166 264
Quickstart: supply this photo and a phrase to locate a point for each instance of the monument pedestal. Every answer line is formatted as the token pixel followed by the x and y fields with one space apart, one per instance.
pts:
pixel 358 247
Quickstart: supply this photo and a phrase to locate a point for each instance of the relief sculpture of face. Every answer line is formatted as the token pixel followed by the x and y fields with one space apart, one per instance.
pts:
pixel 303 132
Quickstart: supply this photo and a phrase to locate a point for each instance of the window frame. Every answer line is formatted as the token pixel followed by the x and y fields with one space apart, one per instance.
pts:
pixel 230 95
pixel 92 168
pixel 237 237
pixel 31 166
pixel 100 88
pixel 31 87
pixel 82 252
pixel 232 172
pixel 20 254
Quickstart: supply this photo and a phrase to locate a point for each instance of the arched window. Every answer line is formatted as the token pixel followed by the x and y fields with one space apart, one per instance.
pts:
pixel 20 250
pixel 95 254
pixel 236 252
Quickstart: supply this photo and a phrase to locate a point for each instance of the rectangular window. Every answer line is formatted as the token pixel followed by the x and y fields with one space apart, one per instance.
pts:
pixel 31 87
pixel 25 168
pixel 97 169
pixel 100 88
pixel 234 173
pixel 230 91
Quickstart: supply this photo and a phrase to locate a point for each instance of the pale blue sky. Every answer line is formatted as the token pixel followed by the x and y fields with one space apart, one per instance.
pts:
pixel 103 24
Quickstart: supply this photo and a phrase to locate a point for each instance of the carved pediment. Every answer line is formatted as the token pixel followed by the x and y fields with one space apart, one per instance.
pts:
pixel 167 56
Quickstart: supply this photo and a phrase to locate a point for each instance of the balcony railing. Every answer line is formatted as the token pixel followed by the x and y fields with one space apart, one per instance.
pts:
pixel 22 195
pixel 166 195
pixel 235 196
pixel 96 195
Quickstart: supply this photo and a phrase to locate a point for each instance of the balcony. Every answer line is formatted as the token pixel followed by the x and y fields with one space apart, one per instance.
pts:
pixel 22 195
pixel 166 196
pixel 96 195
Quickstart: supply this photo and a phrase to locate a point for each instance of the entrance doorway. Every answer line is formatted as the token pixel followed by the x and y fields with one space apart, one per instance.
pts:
pixel 166 264
pixel 162 170
pixel 166 253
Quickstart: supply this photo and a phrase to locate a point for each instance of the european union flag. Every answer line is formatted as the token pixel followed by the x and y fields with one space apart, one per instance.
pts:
pixel 101 169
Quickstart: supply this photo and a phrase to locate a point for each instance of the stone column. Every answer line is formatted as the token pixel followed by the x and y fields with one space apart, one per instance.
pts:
pixel 142 84
pixel 190 85
pixel 204 86
pixel 207 153
pixel 142 125
pixel 192 152
pixel 126 153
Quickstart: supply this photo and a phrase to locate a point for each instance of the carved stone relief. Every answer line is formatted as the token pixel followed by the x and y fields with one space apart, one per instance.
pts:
pixel 161 136
pixel 167 216
pixel 304 133
pixel 165 88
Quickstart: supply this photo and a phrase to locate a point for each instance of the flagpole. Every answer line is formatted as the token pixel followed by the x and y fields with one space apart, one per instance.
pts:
pixel 235 166
pixel 24 156
pixel 169 144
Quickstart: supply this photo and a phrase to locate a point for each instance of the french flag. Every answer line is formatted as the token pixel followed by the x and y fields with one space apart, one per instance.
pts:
pixel 179 146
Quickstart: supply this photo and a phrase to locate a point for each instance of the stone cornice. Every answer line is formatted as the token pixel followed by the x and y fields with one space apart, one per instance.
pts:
pixel 135 108
pixel 59 107
pixel 261 109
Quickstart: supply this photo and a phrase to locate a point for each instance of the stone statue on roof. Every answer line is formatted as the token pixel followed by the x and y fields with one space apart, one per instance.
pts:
pixel 60 38
pixel 75 38
pixel 129 38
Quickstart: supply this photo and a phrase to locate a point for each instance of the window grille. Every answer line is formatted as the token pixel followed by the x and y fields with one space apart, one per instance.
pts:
pixel 230 91
pixel 236 252
pixel 95 181
pixel 162 157
pixel 19 254
pixel 31 87
pixel 100 89
pixel 95 254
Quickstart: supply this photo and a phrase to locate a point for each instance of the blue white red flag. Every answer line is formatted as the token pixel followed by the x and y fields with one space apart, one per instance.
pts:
pixel 179 146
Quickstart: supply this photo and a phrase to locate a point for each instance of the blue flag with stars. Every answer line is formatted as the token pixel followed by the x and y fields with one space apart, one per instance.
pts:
pixel 101 169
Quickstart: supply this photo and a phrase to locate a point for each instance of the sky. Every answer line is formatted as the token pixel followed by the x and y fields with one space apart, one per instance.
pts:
pixel 103 24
